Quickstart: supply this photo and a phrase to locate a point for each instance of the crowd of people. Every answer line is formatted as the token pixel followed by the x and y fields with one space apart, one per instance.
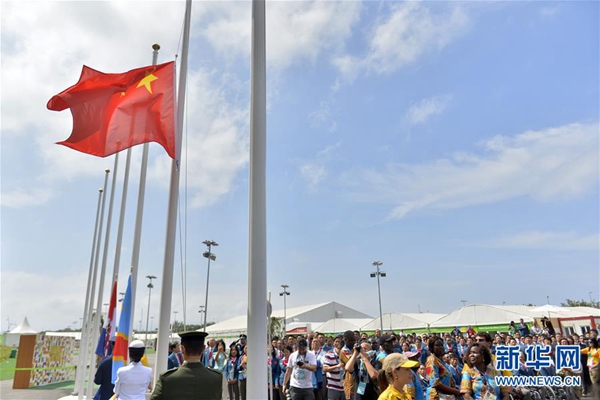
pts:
pixel 385 366
pixel 454 365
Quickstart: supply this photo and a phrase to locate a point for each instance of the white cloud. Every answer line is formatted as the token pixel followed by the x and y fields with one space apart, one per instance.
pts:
pixel 546 240
pixel 296 31
pixel 410 31
pixel 554 164
pixel 314 171
pixel 92 33
pixel 59 299
pixel 20 198
pixel 322 117
pixel 549 12
pixel 218 148
pixel 420 113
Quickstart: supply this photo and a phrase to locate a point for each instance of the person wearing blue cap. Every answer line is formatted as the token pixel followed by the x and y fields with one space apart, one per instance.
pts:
pixel 192 380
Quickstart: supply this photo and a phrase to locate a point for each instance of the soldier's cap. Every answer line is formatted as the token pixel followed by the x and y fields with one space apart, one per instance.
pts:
pixel 137 344
pixel 192 336
pixel 243 336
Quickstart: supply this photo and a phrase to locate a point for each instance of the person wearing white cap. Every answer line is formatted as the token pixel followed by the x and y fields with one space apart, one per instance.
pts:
pixel 134 380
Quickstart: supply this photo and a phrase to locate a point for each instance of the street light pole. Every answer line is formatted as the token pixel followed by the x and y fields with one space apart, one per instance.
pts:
pixel 150 286
pixel 174 320
pixel 210 256
pixel 285 293
pixel 377 274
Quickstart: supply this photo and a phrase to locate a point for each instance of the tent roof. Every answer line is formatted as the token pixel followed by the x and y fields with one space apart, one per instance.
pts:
pixel 481 315
pixel 569 311
pixel 239 324
pixel 398 321
pixel 340 325
pixel 24 328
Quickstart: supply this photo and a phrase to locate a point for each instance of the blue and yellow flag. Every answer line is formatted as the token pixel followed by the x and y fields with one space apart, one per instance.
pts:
pixel 121 349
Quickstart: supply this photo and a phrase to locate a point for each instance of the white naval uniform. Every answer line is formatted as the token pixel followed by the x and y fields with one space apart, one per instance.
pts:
pixel 132 382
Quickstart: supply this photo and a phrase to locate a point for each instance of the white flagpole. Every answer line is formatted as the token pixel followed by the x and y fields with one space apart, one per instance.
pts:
pixel 79 372
pixel 257 255
pixel 89 332
pixel 167 278
pixel 137 236
pixel 121 218
pixel 96 326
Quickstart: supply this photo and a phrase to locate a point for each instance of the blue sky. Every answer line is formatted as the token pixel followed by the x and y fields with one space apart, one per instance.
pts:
pixel 457 142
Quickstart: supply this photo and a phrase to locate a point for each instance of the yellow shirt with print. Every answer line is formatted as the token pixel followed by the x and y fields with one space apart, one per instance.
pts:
pixel 504 373
pixel 391 393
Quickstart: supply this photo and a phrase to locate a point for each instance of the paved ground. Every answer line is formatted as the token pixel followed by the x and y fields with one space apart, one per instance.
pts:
pixel 7 393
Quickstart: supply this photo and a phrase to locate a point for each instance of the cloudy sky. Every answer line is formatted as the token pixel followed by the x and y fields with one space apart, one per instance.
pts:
pixel 457 142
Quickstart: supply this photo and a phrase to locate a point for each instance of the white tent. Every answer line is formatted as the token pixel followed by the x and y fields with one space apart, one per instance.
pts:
pixel 13 337
pixel 402 321
pixel 310 315
pixel 341 325
pixel 556 312
pixel 480 315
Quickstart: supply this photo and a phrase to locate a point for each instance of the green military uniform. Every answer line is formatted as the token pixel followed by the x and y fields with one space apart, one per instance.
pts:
pixel 191 381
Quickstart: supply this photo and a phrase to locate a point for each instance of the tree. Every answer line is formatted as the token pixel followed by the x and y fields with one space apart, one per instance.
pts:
pixel 580 303
pixel 276 327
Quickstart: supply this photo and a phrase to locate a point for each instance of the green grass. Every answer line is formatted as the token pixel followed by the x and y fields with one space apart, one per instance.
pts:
pixel 5 352
pixel 7 369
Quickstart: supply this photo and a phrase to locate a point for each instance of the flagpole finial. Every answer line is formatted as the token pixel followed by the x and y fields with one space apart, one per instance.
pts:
pixel 101 190
pixel 107 170
pixel 156 47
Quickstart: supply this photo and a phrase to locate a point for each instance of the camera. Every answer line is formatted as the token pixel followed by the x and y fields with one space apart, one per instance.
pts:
pixel 300 363
pixel 357 347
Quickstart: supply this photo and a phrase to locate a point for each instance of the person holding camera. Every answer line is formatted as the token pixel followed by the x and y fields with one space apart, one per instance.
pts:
pixel 301 365
pixel 345 354
pixel 365 368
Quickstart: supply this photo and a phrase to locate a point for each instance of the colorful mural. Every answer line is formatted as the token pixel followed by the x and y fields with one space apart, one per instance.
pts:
pixel 53 360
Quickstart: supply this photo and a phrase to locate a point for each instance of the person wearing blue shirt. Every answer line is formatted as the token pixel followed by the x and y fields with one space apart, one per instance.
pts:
pixel 103 377
pixel 455 369
pixel 175 358
pixel 275 373
pixel 523 369
pixel 283 363
pixel 523 328
pixel 414 388
pixel 232 370
pixel 207 354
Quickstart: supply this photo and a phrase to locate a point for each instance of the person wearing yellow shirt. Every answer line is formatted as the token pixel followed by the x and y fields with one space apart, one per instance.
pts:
pixel 394 374
pixel 593 353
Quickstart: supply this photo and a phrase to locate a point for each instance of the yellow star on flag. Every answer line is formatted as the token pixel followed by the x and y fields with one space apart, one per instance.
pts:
pixel 150 77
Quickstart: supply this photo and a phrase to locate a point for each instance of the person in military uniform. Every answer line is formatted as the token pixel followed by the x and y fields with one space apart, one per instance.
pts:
pixel 192 380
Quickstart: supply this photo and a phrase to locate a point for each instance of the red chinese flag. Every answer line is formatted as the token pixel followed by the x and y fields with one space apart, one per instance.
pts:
pixel 113 112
